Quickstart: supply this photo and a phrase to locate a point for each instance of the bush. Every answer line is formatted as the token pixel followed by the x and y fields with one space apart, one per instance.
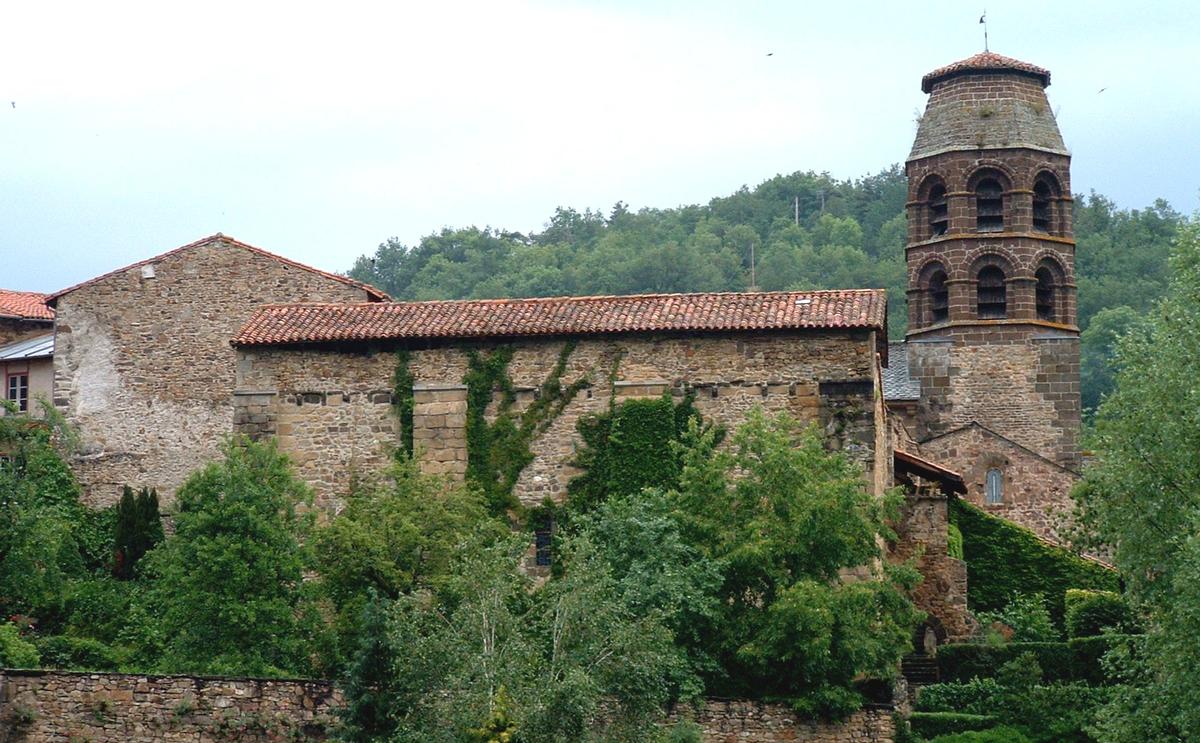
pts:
pixel 976 696
pixel 16 652
pixel 77 654
pixel 1089 613
pixel 932 724
pixel 965 661
pixel 992 735
pixel 1004 560
pixel 1028 617
pixel 1089 654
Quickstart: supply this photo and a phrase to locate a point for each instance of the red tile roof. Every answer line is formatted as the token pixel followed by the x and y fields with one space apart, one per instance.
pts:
pixel 24 305
pixel 984 61
pixel 371 291
pixel 491 318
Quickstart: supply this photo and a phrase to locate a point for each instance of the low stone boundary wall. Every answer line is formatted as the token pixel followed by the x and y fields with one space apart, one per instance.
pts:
pixel 80 707
pixel 74 707
pixel 741 721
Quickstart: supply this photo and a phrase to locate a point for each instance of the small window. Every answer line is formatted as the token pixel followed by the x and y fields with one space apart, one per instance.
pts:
pixel 939 214
pixel 1045 294
pixel 989 206
pixel 543 542
pixel 992 294
pixel 1042 210
pixel 995 487
pixel 18 391
pixel 939 297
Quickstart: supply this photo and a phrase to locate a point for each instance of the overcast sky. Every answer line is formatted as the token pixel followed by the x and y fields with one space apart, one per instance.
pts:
pixel 127 129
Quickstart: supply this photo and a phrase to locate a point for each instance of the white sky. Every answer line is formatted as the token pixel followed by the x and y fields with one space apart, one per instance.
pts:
pixel 318 131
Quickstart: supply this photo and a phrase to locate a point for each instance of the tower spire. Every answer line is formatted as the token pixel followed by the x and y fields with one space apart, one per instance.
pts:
pixel 983 20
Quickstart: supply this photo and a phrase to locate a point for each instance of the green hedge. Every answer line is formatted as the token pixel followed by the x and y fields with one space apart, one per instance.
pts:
pixel 1004 559
pixel 965 661
pixel 991 735
pixel 77 654
pixel 932 724
pixel 15 651
pixel 1089 613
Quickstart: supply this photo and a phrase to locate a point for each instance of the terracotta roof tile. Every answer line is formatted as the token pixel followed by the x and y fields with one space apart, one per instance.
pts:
pixel 370 290
pixel 984 61
pixel 328 323
pixel 24 305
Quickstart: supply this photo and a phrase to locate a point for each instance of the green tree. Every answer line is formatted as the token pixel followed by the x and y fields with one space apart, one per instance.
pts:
pixel 226 587
pixel 138 528
pixel 1140 497
pixel 1097 348
pixel 785 518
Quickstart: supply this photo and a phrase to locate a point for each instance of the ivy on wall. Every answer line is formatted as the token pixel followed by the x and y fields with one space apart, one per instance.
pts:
pixel 1004 560
pixel 402 400
pixel 497 452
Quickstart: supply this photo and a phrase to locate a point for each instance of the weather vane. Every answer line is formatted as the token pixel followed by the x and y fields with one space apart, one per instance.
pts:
pixel 983 20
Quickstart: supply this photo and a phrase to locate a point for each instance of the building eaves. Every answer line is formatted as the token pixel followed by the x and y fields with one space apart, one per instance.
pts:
pixel 16 305
pixel 374 294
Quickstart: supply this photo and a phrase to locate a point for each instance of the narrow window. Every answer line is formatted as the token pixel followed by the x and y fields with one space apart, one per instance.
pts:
pixel 939 214
pixel 989 206
pixel 1041 207
pixel 543 541
pixel 939 297
pixel 995 487
pixel 18 391
pixel 1045 294
pixel 992 294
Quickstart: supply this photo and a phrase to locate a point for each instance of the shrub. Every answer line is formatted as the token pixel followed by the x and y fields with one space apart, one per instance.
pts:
pixel 77 654
pixel 1089 613
pixel 16 652
pixel 976 696
pixel 1004 560
pixel 965 661
pixel 1002 734
pixel 932 724
pixel 1088 653
pixel 1028 617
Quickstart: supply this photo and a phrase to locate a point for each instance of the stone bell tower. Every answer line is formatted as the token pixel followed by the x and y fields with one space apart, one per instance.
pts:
pixel 992 334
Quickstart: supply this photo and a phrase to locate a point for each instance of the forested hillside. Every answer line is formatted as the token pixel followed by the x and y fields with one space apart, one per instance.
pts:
pixel 805 231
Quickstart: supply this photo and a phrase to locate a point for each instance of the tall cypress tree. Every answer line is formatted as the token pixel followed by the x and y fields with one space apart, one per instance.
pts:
pixel 138 529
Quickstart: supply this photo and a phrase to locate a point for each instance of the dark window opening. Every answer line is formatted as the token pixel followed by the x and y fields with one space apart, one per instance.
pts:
pixel 989 206
pixel 995 487
pixel 543 543
pixel 1045 294
pixel 992 294
pixel 939 213
pixel 939 297
pixel 18 391
pixel 1041 207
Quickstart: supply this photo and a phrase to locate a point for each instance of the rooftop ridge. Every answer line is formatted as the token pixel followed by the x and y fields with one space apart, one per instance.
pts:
pixel 984 62
pixel 219 237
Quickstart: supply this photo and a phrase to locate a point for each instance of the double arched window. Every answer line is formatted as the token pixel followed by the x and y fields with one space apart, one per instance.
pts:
pixel 989 205
pixel 991 293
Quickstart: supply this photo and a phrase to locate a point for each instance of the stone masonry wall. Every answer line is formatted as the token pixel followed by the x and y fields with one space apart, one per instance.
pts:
pixel 331 408
pixel 15 330
pixel 1036 492
pixel 143 365
pixel 65 707
pixel 942 591
pixel 68 707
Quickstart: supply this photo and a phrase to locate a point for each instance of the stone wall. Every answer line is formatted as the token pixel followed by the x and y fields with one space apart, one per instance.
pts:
pixel 921 534
pixel 741 721
pixel 69 707
pixel 1036 491
pixel 143 365
pixel 1024 387
pixel 331 407
pixel 12 329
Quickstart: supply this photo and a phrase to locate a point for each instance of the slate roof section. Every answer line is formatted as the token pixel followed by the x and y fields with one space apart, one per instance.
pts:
pixel 984 62
pixel 505 318
pixel 897 384
pixel 24 305
pixel 373 293
pixel 38 347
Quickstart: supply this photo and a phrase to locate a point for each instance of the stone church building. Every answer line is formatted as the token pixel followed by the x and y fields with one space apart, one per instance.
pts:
pixel 156 362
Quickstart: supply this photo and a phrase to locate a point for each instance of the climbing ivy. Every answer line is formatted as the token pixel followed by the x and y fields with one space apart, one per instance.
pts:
pixel 497 452
pixel 402 400
pixel 629 447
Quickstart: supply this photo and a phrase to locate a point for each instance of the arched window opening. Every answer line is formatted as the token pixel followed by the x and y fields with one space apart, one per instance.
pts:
pixel 939 297
pixel 994 487
pixel 939 213
pixel 989 206
pixel 992 294
pixel 1045 294
pixel 1043 214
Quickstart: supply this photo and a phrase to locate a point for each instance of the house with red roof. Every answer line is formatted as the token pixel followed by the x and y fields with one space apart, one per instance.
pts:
pixel 26 348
